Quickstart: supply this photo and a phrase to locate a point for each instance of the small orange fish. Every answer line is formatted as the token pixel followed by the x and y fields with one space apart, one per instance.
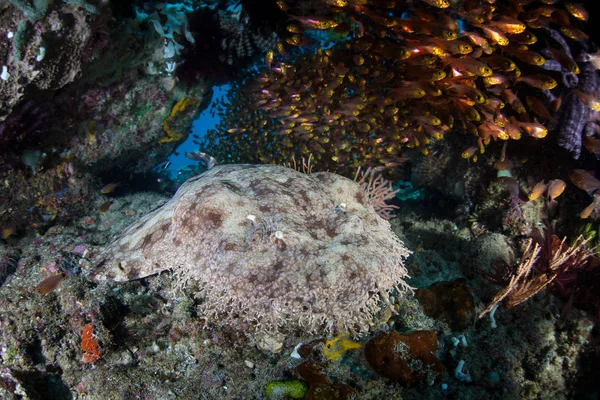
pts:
pixel 269 58
pixel 105 206
pixel 8 232
pixel 538 81
pixel 591 101
pixel 503 165
pixel 537 190
pixel 494 34
pixel 526 37
pixel 528 56
pixel 49 284
pixel 555 188
pixel 573 33
pixel 489 129
pixel 563 59
pixel 513 187
pixel 455 46
pixel 407 92
pixel 476 39
pixel 495 79
pixel 513 131
pixel 556 104
pixel 514 101
pixel 533 129
pixel 592 145
pixel 470 152
pixel 508 25
pixel 500 62
pixel 538 108
pixel 438 3
pixel 584 180
pixel 586 212
pixel 470 65
pixel 318 22
pixel 297 40
pixel 578 11
pixel 109 188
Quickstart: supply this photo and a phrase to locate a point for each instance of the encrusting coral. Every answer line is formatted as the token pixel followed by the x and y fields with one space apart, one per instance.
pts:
pixel 271 249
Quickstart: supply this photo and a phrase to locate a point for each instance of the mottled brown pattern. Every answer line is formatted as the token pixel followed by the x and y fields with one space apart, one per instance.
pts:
pixel 264 208
pixel 360 197
pixel 266 273
pixel 331 231
pixel 212 217
pixel 147 241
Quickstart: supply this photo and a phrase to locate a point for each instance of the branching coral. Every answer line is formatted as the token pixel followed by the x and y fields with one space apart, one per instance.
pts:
pixel 546 262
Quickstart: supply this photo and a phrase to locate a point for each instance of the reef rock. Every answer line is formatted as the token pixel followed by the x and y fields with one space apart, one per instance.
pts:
pixel 270 248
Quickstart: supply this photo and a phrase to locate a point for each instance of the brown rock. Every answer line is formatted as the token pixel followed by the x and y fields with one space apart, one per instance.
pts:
pixel 451 302
pixel 408 359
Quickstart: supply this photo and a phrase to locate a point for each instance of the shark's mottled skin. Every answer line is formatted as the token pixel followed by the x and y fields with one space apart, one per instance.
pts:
pixel 270 245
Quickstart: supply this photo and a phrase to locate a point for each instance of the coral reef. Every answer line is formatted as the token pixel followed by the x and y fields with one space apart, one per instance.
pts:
pixel 269 248
pixel 258 280
pixel 42 48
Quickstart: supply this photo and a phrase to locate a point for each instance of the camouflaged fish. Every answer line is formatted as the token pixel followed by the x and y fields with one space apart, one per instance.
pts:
pixel 268 246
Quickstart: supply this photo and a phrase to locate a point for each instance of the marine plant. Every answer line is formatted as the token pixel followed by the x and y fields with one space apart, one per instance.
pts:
pixel 567 270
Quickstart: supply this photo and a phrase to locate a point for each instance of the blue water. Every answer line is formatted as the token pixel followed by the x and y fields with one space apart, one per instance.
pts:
pixel 200 127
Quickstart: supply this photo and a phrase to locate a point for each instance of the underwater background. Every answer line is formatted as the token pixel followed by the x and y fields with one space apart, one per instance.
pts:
pixel 318 199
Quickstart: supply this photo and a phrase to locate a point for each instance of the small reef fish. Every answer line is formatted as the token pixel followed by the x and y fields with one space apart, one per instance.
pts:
pixel 538 108
pixel 586 212
pixel 514 188
pixel 527 56
pixel 204 158
pixel 503 165
pixel 533 129
pixel 49 284
pixel 591 101
pixel 537 190
pixel 538 81
pixel 584 180
pixel 578 11
pixel 318 22
pixel 109 188
pixel 269 57
pixel 509 25
pixel 593 58
pixel 105 206
pixel 574 33
pixel 563 59
pixel 438 3
pixel 8 232
pixel 592 145
pixel 555 188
